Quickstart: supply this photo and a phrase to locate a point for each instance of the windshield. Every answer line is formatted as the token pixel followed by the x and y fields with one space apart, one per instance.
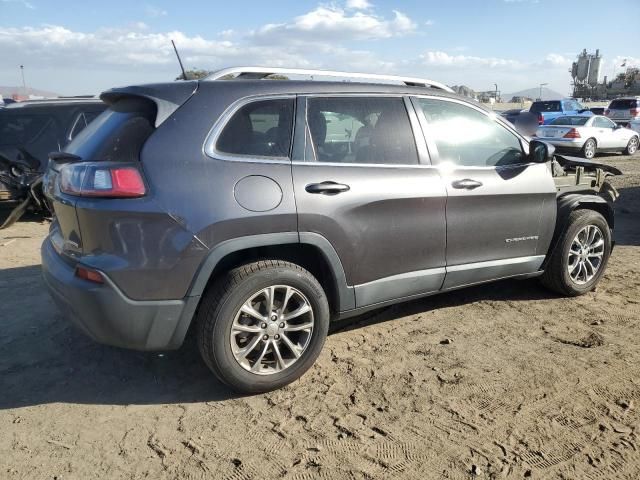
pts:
pixel 18 129
pixel 574 121
pixel 553 106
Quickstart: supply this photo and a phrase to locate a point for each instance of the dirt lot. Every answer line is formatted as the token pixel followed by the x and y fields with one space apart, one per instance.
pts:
pixel 530 386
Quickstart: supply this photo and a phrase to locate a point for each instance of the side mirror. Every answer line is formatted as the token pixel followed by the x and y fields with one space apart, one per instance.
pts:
pixel 540 152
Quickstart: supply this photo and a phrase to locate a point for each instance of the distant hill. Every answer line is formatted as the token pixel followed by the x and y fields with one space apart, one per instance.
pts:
pixel 7 92
pixel 534 93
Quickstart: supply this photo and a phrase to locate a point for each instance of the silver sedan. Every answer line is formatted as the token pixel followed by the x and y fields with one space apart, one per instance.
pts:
pixel 588 135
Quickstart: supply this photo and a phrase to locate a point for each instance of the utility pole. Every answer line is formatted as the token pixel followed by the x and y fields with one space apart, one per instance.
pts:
pixel 542 85
pixel 24 85
pixel 496 85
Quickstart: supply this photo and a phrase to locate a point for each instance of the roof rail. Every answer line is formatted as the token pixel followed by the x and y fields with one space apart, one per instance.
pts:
pixel 258 73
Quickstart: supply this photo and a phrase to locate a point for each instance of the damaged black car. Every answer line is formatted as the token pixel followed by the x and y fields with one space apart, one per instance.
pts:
pixel 29 132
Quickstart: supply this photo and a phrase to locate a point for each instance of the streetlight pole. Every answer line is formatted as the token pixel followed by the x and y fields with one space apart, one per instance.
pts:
pixel 496 85
pixel 542 85
pixel 24 85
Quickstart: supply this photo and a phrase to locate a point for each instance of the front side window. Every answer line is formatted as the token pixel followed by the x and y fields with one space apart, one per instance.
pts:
pixel 262 128
pixel 467 137
pixel 362 130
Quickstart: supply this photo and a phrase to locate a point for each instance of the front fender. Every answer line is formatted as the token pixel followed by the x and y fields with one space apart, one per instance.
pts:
pixel 573 201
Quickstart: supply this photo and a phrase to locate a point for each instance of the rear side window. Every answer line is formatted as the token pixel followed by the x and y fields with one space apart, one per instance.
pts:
pixel 467 137
pixel 259 129
pixel 539 107
pixel 81 121
pixel 361 130
pixel 118 133
pixel 627 104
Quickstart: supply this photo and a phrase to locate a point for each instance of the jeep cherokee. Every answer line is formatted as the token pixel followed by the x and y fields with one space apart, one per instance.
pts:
pixel 259 211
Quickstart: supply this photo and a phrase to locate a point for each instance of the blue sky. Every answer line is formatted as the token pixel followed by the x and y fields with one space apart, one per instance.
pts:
pixel 75 47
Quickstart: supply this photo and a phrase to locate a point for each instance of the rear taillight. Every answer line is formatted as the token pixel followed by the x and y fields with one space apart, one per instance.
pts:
pixel 634 112
pixel 573 133
pixel 102 180
pixel 89 275
pixel 540 119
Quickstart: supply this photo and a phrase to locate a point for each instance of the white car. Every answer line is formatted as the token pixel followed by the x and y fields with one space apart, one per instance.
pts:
pixel 588 135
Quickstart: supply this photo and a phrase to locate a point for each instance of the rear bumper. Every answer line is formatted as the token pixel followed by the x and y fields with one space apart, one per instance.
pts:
pixel 105 314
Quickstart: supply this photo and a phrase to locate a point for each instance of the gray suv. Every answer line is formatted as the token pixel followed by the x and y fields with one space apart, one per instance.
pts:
pixel 260 211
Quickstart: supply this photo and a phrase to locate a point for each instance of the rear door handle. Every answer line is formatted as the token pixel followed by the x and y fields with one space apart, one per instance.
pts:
pixel 327 188
pixel 466 183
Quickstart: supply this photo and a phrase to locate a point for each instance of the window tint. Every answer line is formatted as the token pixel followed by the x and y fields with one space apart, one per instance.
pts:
pixel 262 128
pixel 464 136
pixel 626 104
pixel 361 130
pixel 602 122
pixel 537 107
pixel 23 129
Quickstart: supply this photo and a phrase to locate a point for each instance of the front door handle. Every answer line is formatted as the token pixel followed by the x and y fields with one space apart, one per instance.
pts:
pixel 327 188
pixel 466 183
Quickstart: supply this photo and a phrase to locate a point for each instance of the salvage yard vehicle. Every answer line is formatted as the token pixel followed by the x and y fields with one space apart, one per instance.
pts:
pixel 257 212
pixel 29 131
pixel 549 110
pixel 588 135
pixel 624 110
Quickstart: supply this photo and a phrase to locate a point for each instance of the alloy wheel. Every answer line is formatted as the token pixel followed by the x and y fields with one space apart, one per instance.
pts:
pixel 272 329
pixel 633 145
pixel 589 149
pixel 586 254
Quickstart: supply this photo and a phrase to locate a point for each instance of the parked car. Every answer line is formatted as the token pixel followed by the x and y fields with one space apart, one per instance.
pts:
pixel 598 110
pixel 588 135
pixel 635 125
pixel 28 132
pixel 549 110
pixel 624 110
pixel 257 212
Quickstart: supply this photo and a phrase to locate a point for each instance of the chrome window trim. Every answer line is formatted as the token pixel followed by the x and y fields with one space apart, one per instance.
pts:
pixel 433 148
pixel 416 138
pixel 209 146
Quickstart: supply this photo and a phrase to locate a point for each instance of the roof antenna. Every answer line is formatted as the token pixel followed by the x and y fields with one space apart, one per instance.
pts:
pixel 184 74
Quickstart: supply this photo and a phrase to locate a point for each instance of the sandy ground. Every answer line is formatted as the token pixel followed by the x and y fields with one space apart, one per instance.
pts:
pixel 529 386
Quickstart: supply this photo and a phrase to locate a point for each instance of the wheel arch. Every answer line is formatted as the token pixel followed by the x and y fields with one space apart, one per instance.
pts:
pixel 309 250
pixel 578 201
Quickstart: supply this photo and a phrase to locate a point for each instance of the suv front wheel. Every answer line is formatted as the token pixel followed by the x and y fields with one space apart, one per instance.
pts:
pixel 582 253
pixel 262 325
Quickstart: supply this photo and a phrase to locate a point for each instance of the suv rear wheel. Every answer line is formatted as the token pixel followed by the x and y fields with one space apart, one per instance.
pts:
pixel 581 256
pixel 262 325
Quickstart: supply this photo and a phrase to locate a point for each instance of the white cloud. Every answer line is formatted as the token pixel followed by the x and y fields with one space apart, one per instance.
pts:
pixel 330 23
pixel 359 4
pixel 439 58
pixel 429 23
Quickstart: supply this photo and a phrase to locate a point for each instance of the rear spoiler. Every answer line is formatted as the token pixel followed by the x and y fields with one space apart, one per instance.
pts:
pixel 168 97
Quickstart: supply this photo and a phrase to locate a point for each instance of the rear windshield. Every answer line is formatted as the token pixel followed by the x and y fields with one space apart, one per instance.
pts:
pixel 118 133
pixel 576 121
pixel 553 106
pixel 24 128
pixel 624 104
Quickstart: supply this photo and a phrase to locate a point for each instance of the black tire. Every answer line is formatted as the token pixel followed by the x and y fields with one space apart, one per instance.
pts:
pixel 588 152
pixel 223 300
pixel 632 146
pixel 556 276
